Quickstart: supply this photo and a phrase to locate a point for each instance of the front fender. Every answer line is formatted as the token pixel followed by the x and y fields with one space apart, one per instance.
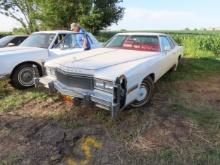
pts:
pixel 9 62
pixel 135 77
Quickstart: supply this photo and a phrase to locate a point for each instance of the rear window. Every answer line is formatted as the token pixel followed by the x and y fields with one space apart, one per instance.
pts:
pixel 135 42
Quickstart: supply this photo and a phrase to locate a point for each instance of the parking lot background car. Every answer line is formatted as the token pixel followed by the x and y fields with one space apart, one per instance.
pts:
pixel 17 62
pixel 11 40
pixel 120 74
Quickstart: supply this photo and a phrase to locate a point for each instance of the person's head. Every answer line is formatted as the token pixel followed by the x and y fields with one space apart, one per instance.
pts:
pixel 75 27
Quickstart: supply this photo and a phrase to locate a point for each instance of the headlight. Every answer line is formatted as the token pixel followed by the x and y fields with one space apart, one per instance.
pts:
pixel 104 85
pixel 99 84
pixel 109 86
pixel 50 71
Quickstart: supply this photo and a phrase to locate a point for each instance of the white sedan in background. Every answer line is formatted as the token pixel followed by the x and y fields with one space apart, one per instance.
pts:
pixel 120 74
pixel 17 62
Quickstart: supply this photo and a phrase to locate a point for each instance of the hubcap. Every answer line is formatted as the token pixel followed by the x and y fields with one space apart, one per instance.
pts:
pixel 143 92
pixel 26 76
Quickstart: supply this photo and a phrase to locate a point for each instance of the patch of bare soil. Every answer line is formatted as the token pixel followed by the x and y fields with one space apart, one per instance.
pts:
pixel 34 134
pixel 43 141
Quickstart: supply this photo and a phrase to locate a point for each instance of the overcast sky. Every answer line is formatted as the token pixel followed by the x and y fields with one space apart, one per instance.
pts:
pixel 158 14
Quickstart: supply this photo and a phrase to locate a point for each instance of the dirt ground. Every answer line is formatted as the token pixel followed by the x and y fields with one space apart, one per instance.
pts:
pixel 50 131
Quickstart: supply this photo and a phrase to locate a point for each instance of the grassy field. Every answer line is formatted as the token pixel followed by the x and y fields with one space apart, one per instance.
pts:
pixel 180 126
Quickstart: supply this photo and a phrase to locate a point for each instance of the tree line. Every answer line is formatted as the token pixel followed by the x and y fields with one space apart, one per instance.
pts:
pixel 34 15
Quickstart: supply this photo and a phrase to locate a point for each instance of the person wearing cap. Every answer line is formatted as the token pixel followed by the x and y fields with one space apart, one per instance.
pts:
pixel 81 38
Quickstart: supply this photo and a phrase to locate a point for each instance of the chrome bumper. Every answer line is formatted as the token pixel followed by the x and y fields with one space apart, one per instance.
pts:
pixel 98 98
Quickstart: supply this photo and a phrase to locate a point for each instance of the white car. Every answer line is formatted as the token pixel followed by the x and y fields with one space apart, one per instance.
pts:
pixel 120 74
pixel 17 62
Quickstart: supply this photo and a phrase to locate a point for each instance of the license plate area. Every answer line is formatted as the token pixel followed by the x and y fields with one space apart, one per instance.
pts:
pixel 67 99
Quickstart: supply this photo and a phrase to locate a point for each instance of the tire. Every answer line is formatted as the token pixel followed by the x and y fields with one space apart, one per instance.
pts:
pixel 146 88
pixel 180 60
pixel 174 68
pixel 23 76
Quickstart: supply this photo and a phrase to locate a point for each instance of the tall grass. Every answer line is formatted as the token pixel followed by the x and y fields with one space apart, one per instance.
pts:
pixel 199 45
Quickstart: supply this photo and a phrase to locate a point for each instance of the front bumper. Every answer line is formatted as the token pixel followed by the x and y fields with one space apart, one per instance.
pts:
pixel 99 98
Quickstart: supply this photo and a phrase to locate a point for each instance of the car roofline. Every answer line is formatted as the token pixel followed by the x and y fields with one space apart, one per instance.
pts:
pixel 143 33
pixel 20 35
pixel 54 32
pixel 57 32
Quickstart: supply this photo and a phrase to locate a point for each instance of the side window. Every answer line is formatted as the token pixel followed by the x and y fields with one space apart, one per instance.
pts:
pixel 172 42
pixel 69 42
pixel 59 38
pixel 165 43
pixel 20 40
pixel 15 41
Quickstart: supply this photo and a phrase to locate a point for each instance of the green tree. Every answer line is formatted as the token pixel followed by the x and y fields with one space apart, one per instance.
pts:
pixel 101 14
pixel 57 14
pixel 23 11
pixel 19 31
pixel 93 15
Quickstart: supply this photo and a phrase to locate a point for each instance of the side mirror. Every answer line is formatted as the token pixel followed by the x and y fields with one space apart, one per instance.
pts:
pixel 11 44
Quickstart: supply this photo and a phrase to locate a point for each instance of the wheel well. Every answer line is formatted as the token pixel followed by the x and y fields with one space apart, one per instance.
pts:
pixel 120 95
pixel 29 62
pixel 152 76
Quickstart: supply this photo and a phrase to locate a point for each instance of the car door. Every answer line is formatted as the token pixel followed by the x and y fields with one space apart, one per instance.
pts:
pixel 65 46
pixel 169 54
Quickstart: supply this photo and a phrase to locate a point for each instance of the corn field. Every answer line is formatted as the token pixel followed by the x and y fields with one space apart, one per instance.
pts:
pixel 199 42
pixel 195 43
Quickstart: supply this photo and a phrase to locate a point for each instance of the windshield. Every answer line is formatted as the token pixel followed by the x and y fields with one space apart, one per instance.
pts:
pixel 40 40
pixel 5 40
pixel 135 42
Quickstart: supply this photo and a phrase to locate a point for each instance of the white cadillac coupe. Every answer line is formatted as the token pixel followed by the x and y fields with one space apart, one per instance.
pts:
pixel 120 74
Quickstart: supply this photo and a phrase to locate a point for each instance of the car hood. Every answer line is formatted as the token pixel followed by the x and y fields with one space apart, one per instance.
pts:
pixel 18 50
pixel 105 58
pixel 76 57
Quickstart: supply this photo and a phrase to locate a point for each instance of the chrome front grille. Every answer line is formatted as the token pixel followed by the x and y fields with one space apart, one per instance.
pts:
pixel 75 80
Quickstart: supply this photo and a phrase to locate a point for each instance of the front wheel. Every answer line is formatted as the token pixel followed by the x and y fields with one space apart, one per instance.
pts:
pixel 23 76
pixel 145 93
